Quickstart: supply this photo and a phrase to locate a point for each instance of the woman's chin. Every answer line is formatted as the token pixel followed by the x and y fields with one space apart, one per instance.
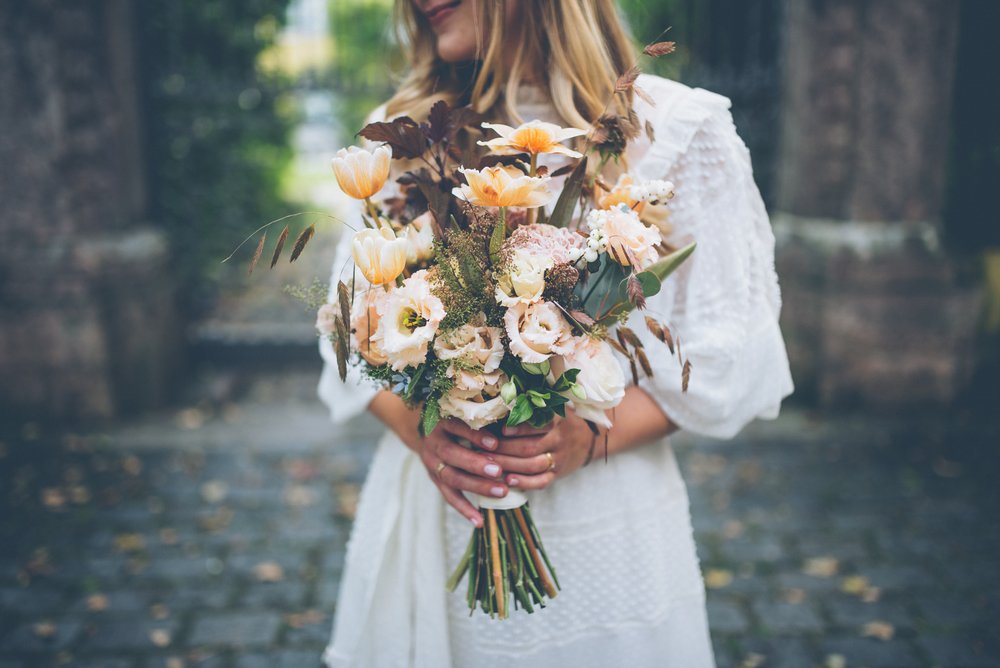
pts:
pixel 455 49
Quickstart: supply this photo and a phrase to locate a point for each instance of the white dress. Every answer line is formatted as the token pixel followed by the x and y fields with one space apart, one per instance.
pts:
pixel 619 534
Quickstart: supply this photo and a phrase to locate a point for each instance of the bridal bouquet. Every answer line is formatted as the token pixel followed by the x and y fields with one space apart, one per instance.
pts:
pixel 496 295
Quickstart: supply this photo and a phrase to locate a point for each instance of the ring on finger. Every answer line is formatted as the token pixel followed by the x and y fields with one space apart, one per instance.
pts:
pixel 440 467
pixel 552 461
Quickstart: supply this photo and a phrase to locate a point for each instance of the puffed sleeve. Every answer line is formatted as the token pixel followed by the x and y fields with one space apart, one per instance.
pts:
pixel 724 302
pixel 346 399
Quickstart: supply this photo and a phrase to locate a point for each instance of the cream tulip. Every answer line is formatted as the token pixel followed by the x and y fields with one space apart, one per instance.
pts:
pixel 380 256
pixel 362 173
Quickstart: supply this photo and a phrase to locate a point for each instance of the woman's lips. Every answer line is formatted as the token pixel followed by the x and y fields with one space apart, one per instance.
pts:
pixel 440 12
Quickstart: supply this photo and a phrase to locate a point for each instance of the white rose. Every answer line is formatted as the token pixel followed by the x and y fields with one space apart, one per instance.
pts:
pixel 477 408
pixel 408 320
pixel 601 378
pixel 472 343
pixel 537 331
pixel 524 280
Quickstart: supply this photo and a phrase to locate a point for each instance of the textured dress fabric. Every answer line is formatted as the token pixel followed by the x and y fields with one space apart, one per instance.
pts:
pixel 619 534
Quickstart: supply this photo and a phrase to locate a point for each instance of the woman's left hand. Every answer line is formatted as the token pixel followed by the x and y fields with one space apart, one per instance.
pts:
pixel 532 458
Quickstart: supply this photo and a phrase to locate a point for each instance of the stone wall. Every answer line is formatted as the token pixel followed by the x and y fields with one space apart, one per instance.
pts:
pixel 877 312
pixel 87 319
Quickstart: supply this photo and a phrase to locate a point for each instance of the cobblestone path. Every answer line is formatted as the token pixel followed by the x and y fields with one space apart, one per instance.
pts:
pixel 215 537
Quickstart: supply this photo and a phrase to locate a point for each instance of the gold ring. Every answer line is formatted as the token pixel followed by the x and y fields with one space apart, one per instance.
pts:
pixel 440 467
pixel 552 461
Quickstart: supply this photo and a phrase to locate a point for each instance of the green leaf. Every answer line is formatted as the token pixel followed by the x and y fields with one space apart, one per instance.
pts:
pixel 521 412
pixel 508 392
pixel 667 265
pixel 411 387
pixel 536 369
pixel 578 391
pixel 430 417
pixel 562 213
pixel 649 282
pixel 496 241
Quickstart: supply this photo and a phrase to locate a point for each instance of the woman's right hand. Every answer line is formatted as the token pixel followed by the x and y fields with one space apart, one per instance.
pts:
pixel 452 467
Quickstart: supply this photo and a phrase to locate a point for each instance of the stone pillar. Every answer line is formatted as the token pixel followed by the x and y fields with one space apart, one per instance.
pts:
pixel 87 318
pixel 876 311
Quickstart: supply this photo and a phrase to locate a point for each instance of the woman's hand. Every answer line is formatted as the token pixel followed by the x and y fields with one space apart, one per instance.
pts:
pixel 533 457
pixel 452 467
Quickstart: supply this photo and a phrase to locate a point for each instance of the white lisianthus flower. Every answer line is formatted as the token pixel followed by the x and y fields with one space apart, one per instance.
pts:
pixel 420 239
pixel 601 378
pixel 524 280
pixel 619 232
pixel 537 331
pixel 408 320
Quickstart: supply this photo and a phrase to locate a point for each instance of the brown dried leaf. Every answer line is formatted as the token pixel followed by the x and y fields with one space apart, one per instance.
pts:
pixel 685 375
pixel 620 348
pixel 634 290
pixel 402 134
pixel 341 347
pixel 668 338
pixel 278 246
pixel 631 337
pixel 301 242
pixel 878 629
pixel 564 170
pixel 622 340
pixel 655 329
pixel 644 362
pixel 542 171
pixel 344 297
pixel 650 132
pixel 644 96
pixel 627 80
pixel 257 253
pixel 635 370
pixel 659 49
pixel 582 318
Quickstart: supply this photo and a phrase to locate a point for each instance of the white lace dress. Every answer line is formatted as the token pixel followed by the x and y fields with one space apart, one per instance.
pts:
pixel 619 534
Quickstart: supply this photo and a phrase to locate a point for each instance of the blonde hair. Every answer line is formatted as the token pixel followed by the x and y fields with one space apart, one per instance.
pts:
pixel 575 49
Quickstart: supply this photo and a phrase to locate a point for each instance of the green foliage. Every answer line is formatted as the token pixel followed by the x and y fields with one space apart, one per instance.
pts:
pixel 216 135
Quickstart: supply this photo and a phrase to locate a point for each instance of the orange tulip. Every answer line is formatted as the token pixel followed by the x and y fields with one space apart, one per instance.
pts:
pixel 503 186
pixel 362 173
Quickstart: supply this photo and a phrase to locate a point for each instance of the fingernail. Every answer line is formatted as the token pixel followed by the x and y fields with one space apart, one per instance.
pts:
pixel 498 491
pixel 489 442
pixel 492 470
pixel 513 482
pixel 475 521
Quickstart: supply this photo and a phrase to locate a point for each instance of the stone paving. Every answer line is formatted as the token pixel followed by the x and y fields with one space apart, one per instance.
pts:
pixel 215 537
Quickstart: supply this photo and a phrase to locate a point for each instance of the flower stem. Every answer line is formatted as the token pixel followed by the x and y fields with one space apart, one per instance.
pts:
pixel 491 520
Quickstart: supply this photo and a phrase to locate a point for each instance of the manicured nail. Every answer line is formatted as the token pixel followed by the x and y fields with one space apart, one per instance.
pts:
pixel 475 521
pixel 489 442
pixel 498 491
pixel 513 482
pixel 492 470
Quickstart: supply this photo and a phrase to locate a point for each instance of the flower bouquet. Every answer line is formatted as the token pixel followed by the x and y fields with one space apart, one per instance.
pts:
pixel 485 293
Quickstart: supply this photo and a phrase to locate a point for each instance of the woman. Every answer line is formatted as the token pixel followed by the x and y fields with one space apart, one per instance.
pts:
pixel 619 533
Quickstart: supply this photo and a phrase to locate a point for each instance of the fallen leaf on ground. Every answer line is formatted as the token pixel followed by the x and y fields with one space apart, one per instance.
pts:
pixel 732 529
pixel 871 594
pixel 821 567
pixel 753 660
pixel 214 491
pixel 53 497
pixel 300 496
pixel 854 584
pixel 878 629
pixel 835 661
pixel 191 418
pixel 97 602
pixel 717 578
pixel 347 499
pixel 130 542
pixel 159 611
pixel 160 637
pixel 269 571
pixel 216 521
pixel 175 662
pixel 794 595
pixel 79 494
pixel 299 619
pixel 168 536
pixel 44 629
pixel 132 465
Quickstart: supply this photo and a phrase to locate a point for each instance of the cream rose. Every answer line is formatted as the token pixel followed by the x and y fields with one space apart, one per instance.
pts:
pixel 477 407
pixel 409 319
pixel 601 378
pixel 364 324
pixel 624 236
pixel 475 344
pixel 537 331
pixel 524 280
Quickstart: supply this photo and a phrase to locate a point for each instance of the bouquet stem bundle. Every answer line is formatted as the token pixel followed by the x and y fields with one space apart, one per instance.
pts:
pixel 506 562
